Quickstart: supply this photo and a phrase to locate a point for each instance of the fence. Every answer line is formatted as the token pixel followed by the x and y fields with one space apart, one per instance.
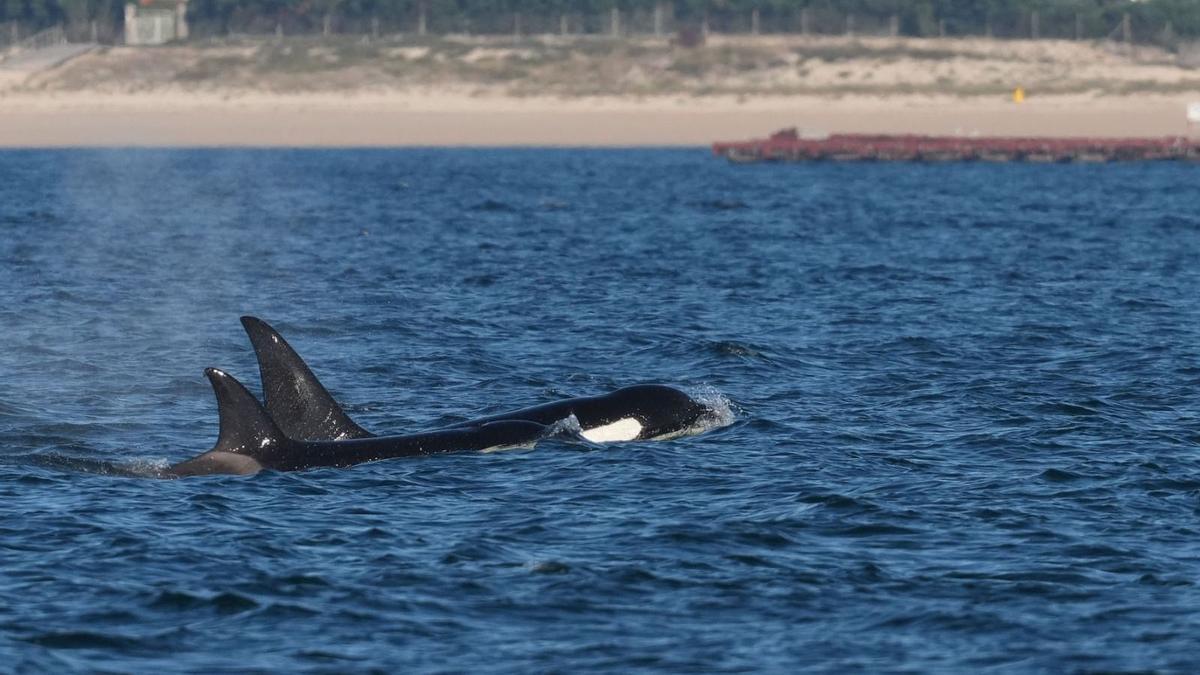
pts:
pixel 653 21
pixel 47 38
pixel 103 31
pixel 657 21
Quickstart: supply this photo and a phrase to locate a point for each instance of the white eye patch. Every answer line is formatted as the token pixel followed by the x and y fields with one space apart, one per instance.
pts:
pixel 626 429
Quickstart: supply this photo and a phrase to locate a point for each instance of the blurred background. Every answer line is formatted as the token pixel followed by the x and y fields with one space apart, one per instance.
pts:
pixel 587 72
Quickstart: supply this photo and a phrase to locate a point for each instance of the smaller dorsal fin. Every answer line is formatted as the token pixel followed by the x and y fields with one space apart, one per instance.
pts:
pixel 246 429
pixel 248 441
pixel 293 396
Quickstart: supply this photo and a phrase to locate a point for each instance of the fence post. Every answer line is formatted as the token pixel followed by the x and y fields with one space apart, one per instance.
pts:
pixel 804 21
pixel 894 25
pixel 327 25
pixel 181 22
pixel 849 25
pixel 422 11
pixel 1078 26
pixel 279 31
pixel 658 19
pixel 704 25
pixel 941 28
pixel 131 35
pixel 516 26
pixel 754 21
pixel 375 28
pixel 563 28
pixel 95 33
pixel 1126 29
pixel 615 21
pixel 1034 31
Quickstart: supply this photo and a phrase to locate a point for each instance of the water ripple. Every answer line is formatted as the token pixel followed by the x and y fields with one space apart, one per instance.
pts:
pixel 962 400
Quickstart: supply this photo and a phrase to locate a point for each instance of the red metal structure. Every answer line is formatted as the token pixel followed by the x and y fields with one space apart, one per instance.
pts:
pixel 788 146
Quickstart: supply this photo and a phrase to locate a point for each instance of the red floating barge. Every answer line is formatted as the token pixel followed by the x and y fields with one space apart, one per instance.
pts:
pixel 789 146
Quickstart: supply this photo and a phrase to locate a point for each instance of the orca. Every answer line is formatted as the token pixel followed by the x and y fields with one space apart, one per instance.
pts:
pixel 250 441
pixel 303 409
pixel 641 412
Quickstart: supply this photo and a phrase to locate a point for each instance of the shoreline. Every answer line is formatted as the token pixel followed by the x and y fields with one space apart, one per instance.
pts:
pixel 165 118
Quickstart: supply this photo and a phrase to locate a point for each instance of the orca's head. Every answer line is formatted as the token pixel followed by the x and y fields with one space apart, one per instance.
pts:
pixel 661 411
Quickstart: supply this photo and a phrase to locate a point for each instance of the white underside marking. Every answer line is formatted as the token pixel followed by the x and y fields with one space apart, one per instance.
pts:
pixel 502 448
pixel 626 429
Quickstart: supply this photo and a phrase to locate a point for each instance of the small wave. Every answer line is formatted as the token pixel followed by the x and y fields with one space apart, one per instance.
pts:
pixel 568 426
pixel 722 205
pixel 570 431
pixel 494 206
pixel 143 468
pixel 148 468
pixel 720 413
pixel 1070 409
pixel 1059 476
pixel 553 205
pixel 8 409
pixel 839 502
pixel 223 603
pixel 482 280
pixel 548 567
pixel 732 348
pixel 82 639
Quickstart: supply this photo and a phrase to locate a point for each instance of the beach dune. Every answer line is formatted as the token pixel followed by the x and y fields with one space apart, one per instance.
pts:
pixel 482 92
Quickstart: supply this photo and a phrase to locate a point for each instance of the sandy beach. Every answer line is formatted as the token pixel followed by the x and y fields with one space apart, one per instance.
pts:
pixel 159 119
pixel 622 93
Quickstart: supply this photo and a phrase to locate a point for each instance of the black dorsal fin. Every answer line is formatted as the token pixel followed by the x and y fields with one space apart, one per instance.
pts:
pixel 246 429
pixel 294 398
pixel 248 442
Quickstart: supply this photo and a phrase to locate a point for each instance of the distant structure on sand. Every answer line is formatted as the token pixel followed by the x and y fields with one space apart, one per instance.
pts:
pixel 155 23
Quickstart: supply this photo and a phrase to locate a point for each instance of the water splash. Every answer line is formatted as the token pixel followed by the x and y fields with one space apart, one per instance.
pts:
pixel 143 468
pixel 719 412
pixel 567 427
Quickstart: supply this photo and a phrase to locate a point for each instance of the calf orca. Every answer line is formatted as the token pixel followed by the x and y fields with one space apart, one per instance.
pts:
pixel 249 441
pixel 303 409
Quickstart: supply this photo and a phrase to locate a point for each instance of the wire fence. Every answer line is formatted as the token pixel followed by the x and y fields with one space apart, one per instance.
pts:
pixel 641 23
pixel 815 22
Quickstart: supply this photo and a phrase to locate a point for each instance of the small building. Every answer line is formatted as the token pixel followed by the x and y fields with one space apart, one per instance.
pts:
pixel 155 23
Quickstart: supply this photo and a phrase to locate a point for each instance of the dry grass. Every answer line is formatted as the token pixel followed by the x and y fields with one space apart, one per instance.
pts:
pixel 638 66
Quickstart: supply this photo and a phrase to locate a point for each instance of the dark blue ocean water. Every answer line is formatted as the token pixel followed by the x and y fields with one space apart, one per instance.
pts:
pixel 967 430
